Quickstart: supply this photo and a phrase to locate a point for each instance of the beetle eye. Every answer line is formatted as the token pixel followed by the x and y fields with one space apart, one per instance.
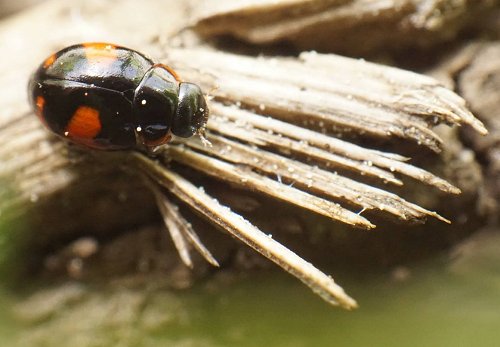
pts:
pixel 192 111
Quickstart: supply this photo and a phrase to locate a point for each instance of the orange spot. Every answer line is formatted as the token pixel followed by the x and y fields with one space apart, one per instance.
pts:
pixel 100 51
pixel 170 70
pixel 85 123
pixel 160 141
pixel 49 61
pixel 40 104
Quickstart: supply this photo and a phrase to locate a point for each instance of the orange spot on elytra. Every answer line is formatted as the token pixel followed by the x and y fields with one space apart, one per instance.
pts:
pixel 49 61
pixel 85 123
pixel 40 104
pixel 100 51
pixel 170 70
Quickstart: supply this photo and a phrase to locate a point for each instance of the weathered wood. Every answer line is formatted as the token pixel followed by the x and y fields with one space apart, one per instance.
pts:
pixel 310 98
pixel 181 231
pixel 476 70
pixel 240 228
pixel 334 93
pixel 348 26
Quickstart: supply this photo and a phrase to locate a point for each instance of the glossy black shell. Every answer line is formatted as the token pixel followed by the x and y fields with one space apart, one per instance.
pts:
pixel 109 97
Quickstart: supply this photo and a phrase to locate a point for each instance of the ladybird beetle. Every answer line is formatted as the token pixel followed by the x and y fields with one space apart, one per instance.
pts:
pixel 109 97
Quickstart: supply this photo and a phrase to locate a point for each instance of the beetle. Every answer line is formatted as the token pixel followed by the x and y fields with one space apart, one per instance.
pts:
pixel 109 97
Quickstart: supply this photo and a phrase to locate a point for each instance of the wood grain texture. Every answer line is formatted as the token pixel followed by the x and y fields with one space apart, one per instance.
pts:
pixel 347 26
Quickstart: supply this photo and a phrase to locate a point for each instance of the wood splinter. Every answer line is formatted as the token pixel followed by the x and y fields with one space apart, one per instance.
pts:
pixel 240 228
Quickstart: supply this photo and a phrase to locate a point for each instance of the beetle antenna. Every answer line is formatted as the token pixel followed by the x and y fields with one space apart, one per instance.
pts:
pixel 210 95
